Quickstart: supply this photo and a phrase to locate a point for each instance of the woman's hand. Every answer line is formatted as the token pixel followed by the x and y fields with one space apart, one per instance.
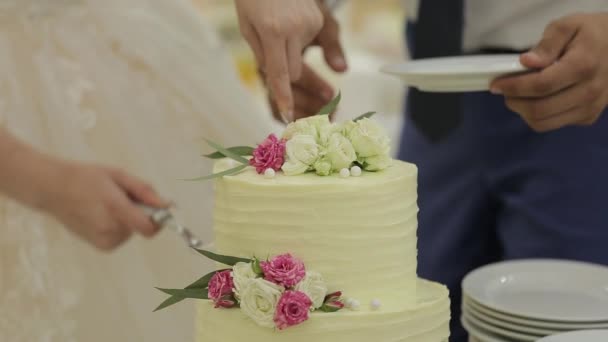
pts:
pixel 95 202
pixel 98 203
pixel 571 87
pixel 278 31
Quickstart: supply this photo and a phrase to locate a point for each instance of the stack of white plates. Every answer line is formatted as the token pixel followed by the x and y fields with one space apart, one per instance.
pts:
pixel 578 336
pixel 527 300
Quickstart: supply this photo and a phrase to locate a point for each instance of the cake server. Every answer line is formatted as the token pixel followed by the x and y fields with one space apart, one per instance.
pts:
pixel 164 218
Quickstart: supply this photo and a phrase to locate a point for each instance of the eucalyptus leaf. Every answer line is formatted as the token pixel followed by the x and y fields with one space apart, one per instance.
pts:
pixel 186 293
pixel 329 308
pixel 223 259
pixel 228 172
pixel 238 150
pixel 227 152
pixel 169 301
pixel 201 284
pixel 364 116
pixel 331 106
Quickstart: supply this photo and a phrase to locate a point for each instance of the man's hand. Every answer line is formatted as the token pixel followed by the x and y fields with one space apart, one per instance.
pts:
pixel 310 94
pixel 571 87
pixel 278 32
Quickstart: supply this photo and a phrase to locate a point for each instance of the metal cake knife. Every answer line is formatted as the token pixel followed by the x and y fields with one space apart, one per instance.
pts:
pixel 164 218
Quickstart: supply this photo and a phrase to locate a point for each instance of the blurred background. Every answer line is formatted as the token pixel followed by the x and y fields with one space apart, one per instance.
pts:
pixel 372 35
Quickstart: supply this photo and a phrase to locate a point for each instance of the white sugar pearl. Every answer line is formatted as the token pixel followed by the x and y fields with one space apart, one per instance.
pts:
pixel 353 304
pixel 355 171
pixel 375 304
pixel 269 173
pixel 344 173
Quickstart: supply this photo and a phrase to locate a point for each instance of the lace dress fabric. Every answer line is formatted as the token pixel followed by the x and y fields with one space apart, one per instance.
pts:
pixel 134 84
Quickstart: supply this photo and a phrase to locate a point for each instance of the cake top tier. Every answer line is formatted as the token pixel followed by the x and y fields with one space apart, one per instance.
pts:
pixel 342 228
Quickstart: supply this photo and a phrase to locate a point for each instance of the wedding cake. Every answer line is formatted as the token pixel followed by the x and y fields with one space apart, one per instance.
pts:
pixel 318 230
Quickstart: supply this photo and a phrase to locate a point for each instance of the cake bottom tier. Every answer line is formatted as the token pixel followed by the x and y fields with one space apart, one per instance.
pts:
pixel 427 321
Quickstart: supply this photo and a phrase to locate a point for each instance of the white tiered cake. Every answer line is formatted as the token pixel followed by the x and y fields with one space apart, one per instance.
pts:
pixel 316 241
pixel 359 232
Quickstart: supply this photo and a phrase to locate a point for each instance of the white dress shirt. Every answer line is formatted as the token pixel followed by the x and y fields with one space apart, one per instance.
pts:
pixel 513 24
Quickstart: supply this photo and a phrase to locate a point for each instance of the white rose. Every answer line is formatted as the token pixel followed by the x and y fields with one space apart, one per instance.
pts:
pixel 302 152
pixel 259 301
pixel 314 287
pixel 346 127
pixel 318 126
pixel 242 275
pixel 368 138
pixel 299 127
pixel 324 129
pixel 377 163
pixel 340 152
pixel 292 168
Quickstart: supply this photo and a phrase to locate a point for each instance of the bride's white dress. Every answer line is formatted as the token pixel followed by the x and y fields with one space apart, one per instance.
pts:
pixel 130 83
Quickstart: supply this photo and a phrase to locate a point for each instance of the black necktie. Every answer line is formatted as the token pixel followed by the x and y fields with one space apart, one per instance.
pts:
pixel 437 33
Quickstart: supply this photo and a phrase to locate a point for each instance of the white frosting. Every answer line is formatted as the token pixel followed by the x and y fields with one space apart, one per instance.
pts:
pixel 427 321
pixel 358 232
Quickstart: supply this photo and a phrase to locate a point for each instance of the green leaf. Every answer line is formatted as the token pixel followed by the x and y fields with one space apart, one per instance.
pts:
pixel 168 302
pixel 331 106
pixel 330 308
pixel 227 152
pixel 257 268
pixel 223 259
pixel 186 293
pixel 177 295
pixel 228 172
pixel 364 116
pixel 201 284
pixel 238 150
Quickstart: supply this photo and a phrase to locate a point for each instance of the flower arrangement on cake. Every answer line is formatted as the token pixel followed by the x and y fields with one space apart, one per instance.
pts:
pixel 314 144
pixel 276 293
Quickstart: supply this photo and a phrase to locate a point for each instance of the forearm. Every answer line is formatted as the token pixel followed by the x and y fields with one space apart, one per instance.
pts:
pixel 25 173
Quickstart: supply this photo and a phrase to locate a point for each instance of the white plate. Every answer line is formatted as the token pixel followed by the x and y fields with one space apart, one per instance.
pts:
pixel 471 312
pixel 519 336
pixel 579 336
pixel 462 73
pixel 532 323
pixel 549 290
pixel 481 334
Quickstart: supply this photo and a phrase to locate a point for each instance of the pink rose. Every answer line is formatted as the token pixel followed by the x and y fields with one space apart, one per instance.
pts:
pixel 292 309
pixel 226 302
pixel 270 154
pixel 333 302
pixel 221 288
pixel 284 270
